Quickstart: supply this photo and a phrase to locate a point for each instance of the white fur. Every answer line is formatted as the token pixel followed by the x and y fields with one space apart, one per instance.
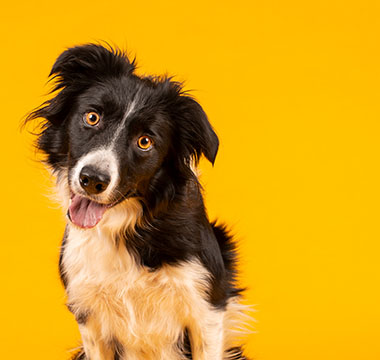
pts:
pixel 145 311
pixel 130 110
pixel 106 161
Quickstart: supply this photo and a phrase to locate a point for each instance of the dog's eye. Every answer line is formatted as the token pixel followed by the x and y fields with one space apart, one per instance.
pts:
pixel 144 142
pixel 92 118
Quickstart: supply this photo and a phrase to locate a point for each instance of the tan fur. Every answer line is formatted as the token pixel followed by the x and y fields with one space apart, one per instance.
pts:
pixel 146 312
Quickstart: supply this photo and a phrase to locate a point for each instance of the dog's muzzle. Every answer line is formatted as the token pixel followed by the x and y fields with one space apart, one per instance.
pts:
pixel 86 212
pixel 93 181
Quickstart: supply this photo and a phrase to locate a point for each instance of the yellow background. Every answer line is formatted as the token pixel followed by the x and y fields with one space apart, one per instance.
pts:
pixel 292 88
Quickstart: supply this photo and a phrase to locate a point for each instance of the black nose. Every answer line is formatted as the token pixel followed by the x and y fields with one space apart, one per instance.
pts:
pixel 93 181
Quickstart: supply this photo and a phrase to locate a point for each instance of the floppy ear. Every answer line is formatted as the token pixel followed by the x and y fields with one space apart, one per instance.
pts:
pixel 196 133
pixel 74 71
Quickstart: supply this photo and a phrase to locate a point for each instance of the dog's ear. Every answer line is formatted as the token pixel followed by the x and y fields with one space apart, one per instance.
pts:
pixel 83 65
pixel 197 136
pixel 74 71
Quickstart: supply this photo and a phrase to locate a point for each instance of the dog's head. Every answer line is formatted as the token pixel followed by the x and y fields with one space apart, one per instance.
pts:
pixel 116 136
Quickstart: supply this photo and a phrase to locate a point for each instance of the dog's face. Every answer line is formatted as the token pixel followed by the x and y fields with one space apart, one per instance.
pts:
pixel 119 136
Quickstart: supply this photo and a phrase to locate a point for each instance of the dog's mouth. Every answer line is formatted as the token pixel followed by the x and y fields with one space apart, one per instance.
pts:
pixel 86 213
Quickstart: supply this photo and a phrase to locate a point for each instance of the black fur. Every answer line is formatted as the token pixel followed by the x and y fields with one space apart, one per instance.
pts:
pixel 62 274
pixel 79 355
pixel 81 318
pixel 175 225
pixel 236 353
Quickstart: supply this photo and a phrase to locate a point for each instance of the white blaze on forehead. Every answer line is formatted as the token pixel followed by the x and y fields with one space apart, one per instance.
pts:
pixel 130 110
pixel 104 160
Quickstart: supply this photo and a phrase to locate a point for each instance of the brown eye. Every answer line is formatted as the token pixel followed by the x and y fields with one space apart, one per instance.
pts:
pixel 144 142
pixel 92 118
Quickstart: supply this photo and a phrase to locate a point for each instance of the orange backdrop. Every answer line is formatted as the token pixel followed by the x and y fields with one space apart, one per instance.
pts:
pixel 292 88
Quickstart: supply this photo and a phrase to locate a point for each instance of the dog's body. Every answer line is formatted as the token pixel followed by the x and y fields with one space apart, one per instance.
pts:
pixel 146 274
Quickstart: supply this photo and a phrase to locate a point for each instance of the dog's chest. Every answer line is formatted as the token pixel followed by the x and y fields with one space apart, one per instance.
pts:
pixel 125 300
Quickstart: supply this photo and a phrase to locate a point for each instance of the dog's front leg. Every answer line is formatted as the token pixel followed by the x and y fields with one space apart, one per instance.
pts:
pixel 206 337
pixel 94 347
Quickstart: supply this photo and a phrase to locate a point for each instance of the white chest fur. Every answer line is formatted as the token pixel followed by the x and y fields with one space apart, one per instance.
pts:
pixel 142 310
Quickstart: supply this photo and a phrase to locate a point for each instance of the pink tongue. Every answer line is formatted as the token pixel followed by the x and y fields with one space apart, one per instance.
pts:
pixel 84 212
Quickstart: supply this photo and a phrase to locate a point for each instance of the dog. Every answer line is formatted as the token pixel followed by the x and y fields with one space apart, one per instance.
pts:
pixel 147 275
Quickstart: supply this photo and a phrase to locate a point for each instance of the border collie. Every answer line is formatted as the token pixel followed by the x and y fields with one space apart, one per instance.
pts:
pixel 147 276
